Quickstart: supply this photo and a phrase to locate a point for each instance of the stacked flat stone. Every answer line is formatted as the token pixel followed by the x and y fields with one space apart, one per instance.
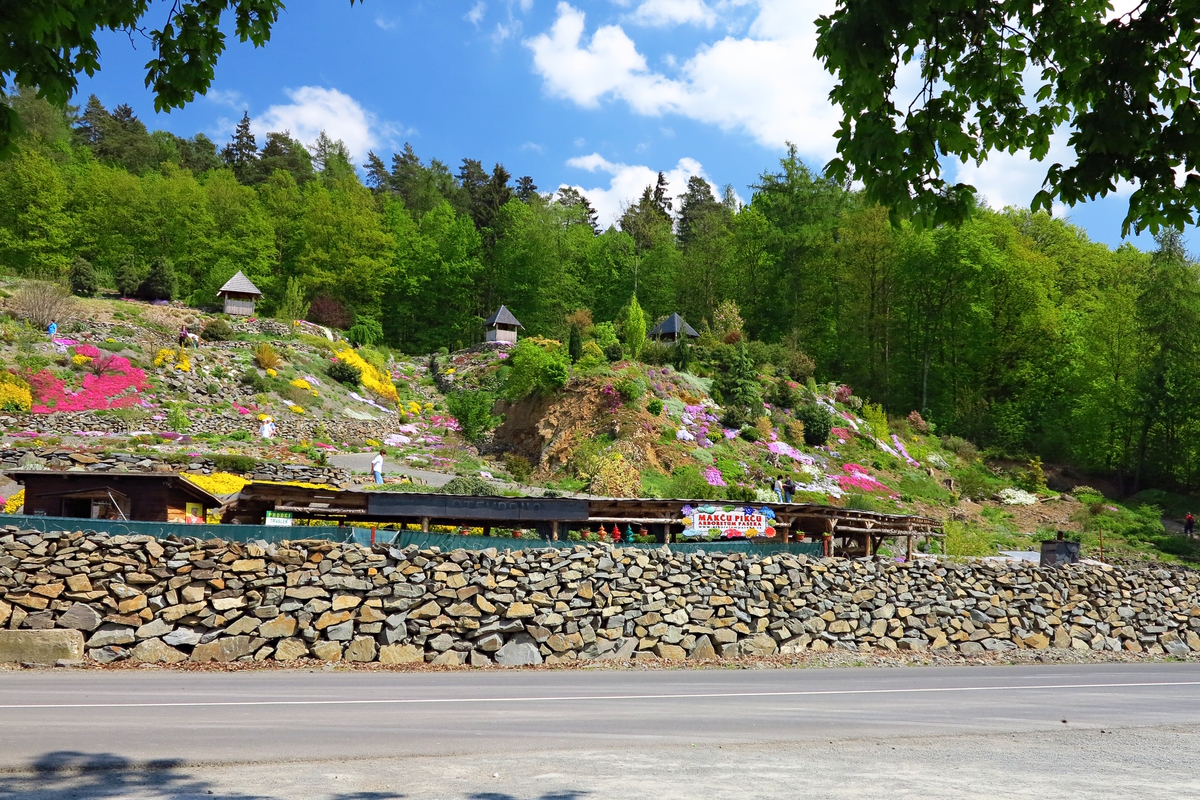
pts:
pixel 63 458
pixel 170 601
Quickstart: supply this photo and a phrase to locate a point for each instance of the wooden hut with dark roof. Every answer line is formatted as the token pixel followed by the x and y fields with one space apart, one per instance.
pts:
pixel 671 328
pixel 240 295
pixel 502 326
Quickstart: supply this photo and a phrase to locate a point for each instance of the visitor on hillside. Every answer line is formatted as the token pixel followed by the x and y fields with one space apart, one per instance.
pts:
pixel 52 328
pixel 267 429
pixel 777 487
pixel 789 489
pixel 1189 524
pixel 377 466
pixel 183 336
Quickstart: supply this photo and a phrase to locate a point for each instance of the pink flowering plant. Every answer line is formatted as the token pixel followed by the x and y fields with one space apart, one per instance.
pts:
pixel 117 387
pixel 857 477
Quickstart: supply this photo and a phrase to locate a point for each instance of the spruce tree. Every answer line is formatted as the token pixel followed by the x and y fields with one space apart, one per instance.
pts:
pixel 241 154
pixel 526 189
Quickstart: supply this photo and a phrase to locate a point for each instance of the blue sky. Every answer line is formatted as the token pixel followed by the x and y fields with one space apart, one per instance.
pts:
pixel 598 95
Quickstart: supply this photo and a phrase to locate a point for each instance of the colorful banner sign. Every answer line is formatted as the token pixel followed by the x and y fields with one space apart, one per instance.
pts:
pixel 729 522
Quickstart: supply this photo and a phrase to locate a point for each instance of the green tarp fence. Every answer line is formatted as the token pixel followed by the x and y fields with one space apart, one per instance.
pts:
pixel 161 530
pixel 453 542
pixel 445 541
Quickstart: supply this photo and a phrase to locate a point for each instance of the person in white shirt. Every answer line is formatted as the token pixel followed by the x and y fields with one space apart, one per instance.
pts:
pixel 377 466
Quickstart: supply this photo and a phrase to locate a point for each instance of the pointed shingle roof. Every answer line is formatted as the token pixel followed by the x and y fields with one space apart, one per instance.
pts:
pixel 239 284
pixel 503 317
pixel 674 324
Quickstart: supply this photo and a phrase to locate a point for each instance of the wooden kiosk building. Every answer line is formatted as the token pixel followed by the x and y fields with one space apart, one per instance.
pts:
pixel 131 496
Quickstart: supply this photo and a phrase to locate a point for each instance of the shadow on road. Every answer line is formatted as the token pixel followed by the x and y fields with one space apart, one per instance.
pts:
pixel 568 795
pixel 68 775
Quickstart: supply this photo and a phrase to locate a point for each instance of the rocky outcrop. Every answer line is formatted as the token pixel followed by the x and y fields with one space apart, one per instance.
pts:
pixel 212 601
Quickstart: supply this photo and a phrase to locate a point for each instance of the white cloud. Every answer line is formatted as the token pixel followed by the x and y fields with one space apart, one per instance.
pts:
pixel 674 12
pixel 314 109
pixel 475 15
pixel 767 84
pixel 627 183
pixel 505 31
pixel 387 24
pixel 534 147
pixel 230 98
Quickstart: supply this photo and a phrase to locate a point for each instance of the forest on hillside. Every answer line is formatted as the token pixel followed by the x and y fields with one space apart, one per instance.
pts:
pixel 1013 329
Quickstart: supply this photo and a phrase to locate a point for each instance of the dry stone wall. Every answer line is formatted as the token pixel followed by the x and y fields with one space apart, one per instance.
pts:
pixel 204 601
pixel 58 458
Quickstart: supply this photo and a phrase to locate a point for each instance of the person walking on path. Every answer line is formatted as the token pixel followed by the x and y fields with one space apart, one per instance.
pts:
pixel 52 328
pixel 183 336
pixel 777 487
pixel 789 488
pixel 1189 524
pixel 377 466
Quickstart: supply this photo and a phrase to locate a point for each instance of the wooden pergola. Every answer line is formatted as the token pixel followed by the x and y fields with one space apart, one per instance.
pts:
pixel 844 532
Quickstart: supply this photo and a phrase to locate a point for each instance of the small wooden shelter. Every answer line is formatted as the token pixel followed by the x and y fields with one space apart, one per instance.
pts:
pixel 145 496
pixel 671 329
pixel 239 295
pixel 502 326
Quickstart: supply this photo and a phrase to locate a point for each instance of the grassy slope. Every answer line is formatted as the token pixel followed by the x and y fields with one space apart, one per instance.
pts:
pixel 617 423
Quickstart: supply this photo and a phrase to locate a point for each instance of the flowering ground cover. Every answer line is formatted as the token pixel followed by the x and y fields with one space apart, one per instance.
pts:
pixel 118 387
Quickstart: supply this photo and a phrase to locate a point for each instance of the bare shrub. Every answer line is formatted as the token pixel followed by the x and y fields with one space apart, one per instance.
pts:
pixel 39 303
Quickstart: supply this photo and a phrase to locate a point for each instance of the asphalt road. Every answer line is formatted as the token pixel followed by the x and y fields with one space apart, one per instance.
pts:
pixel 1089 731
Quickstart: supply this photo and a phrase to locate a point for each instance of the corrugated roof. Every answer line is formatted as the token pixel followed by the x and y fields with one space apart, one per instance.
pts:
pixel 503 317
pixel 239 284
pixel 673 324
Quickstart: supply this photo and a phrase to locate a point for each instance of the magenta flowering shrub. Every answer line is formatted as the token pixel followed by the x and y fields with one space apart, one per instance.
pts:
pixel 88 350
pixel 117 388
pixel 714 477
pixel 842 393
pixel 857 477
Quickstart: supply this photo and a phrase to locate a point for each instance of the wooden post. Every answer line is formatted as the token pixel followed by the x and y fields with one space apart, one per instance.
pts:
pixel 867 545
pixel 487 530
pixel 424 524
pixel 908 548
pixel 554 530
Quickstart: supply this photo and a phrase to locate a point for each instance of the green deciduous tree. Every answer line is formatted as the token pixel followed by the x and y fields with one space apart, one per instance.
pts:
pixel 1005 75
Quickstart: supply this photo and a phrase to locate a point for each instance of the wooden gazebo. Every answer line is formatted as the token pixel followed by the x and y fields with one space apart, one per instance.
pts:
pixel 239 295
pixel 502 326
pixel 671 329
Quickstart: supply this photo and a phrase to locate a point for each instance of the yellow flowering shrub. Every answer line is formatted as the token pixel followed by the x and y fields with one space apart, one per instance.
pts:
pixel 271 373
pixel 414 407
pixel 300 383
pixel 296 409
pixel 14 503
pixel 80 361
pixel 15 396
pixel 218 483
pixel 164 356
pixel 376 382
